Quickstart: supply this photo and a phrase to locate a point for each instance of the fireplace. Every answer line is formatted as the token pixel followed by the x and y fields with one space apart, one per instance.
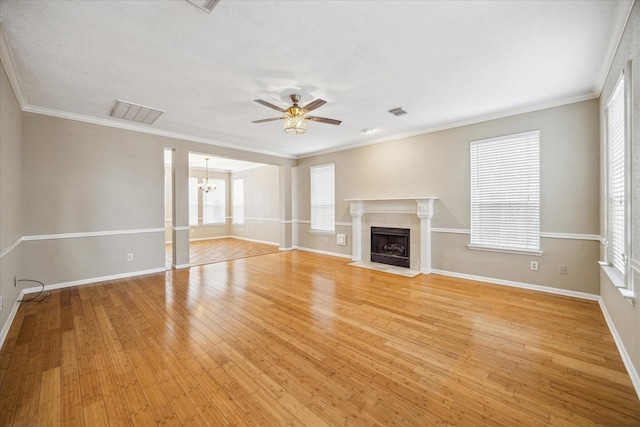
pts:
pixel 393 212
pixel 390 246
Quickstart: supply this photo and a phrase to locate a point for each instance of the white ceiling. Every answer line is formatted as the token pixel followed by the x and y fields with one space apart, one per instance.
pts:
pixel 445 62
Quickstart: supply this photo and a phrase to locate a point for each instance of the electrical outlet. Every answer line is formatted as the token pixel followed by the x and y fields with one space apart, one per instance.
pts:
pixel 1 302
pixel 534 265
pixel 562 269
pixel 326 240
pixel 129 257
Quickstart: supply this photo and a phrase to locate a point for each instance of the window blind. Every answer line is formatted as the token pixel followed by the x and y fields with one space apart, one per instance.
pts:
pixel 323 209
pixel 505 192
pixel 193 200
pixel 238 201
pixel 616 209
pixel 213 203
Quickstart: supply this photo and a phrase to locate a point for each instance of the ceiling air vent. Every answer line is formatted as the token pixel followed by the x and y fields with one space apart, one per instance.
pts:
pixel 398 111
pixel 207 5
pixel 134 112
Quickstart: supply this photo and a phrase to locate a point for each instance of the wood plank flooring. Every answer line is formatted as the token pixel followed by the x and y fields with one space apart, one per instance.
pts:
pixel 224 249
pixel 295 338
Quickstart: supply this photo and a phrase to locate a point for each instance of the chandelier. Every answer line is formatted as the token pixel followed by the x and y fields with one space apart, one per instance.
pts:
pixel 205 185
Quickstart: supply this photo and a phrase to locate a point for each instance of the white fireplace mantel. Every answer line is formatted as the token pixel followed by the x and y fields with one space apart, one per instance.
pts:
pixel 422 207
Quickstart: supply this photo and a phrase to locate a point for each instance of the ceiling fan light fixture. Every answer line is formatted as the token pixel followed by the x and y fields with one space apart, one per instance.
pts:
pixel 295 125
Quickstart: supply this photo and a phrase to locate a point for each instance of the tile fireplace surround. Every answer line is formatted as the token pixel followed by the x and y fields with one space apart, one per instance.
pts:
pixel 414 213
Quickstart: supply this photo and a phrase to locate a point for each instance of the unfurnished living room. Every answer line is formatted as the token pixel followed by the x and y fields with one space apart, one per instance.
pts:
pixel 319 213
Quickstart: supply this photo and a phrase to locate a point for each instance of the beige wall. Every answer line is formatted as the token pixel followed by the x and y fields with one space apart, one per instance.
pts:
pixel 85 178
pixel 437 164
pixel 624 316
pixel 97 194
pixel 262 204
pixel 11 221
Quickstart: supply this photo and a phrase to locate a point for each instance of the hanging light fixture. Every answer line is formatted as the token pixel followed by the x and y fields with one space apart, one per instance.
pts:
pixel 205 185
pixel 296 125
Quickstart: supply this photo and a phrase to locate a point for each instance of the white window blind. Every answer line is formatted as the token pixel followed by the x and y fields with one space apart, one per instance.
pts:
pixel 213 203
pixel 193 200
pixel 616 204
pixel 238 201
pixel 505 193
pixel 323 209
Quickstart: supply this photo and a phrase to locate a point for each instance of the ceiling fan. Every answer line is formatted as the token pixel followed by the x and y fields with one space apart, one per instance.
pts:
pixel 295 121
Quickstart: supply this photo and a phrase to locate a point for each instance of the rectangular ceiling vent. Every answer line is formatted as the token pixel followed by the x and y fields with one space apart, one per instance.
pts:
pixel 206 5
pixel 398 111
pixel 134 112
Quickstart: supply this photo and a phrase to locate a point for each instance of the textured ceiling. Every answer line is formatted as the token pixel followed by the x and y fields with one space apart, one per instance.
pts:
pixel 444 62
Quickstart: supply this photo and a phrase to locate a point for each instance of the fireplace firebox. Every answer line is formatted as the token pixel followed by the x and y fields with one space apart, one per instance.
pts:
pixel 390 246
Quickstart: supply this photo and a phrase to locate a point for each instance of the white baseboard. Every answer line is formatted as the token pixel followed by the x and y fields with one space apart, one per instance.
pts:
pixel 180 266
pixel 12 314
pixel 199 239
pixel 318 251
pixel 547 289
pixel 264 242
pixel 14 309
pixel 94 280
pixel 631 370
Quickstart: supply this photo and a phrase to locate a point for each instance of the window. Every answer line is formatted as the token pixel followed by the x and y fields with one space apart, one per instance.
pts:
pixel 193 200
pixel 616 188
pixel 505 193
pixel 213 203
pixel 238 201
pixel 323 211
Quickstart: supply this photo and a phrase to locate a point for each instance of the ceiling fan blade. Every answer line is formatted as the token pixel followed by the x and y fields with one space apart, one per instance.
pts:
pixel 313 105
pixel 268 104
pixel 267 120
pixel 324 120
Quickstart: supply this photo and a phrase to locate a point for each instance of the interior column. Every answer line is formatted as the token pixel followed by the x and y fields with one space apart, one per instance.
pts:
pixel 285 221
pixel 180 208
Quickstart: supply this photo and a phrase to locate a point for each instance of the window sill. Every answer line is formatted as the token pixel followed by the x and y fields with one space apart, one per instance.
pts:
pixel 214 224
pixel 323 232
pixel 504 250
pixel 618 282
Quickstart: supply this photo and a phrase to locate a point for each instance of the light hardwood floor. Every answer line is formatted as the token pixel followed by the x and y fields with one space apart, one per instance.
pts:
pixel 295 338
pixel 225 249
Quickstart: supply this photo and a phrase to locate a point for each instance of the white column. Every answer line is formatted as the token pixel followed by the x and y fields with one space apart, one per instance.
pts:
pixel 425 213
pixel 285 222
pixel 180 209
pixel 356 210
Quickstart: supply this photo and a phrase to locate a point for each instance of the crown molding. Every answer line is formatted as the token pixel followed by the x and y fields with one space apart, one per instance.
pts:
pixel 10 67
pixel 7 59
pixel 623 11
pixel 475 120
pixel 142 129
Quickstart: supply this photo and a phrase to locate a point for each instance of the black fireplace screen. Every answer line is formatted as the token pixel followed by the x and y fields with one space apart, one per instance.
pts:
pixel 390 246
